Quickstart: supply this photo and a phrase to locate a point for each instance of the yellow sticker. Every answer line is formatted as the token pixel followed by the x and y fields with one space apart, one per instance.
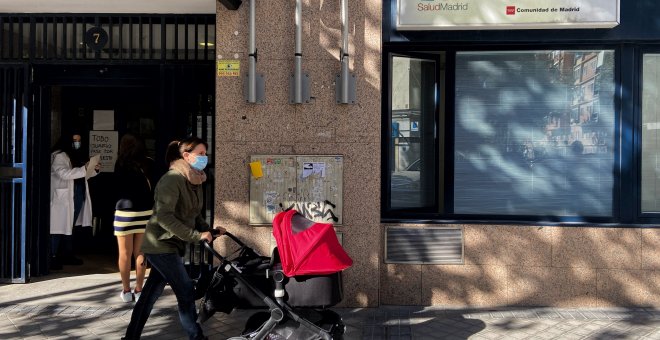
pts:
pixel 229 68
pixel 255 167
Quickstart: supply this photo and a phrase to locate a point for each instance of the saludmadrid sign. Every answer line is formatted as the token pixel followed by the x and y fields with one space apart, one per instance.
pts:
pixel 506 14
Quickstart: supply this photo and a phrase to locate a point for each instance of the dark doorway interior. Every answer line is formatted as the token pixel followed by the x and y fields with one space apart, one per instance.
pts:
pixel 128 109
pixel 157 102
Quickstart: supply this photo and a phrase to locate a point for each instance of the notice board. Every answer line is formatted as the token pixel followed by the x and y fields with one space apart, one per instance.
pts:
pixel 310 184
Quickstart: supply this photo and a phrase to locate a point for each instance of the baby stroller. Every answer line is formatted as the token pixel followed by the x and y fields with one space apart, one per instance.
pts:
pixel 296 284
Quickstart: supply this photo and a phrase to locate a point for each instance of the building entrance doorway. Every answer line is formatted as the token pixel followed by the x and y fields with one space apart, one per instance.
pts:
pixel 96 113
pixel 102 103
pixel 154 75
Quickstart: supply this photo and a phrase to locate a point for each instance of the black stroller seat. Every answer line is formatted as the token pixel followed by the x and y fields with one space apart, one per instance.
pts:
pixel 297 304
pixel 310 291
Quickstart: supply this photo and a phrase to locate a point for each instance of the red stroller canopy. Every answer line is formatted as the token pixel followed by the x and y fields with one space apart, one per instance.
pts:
pixel 308 248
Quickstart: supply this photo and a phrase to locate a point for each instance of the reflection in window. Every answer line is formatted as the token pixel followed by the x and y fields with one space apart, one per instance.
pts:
pixel 525 142
pixel 413 149
pixel 650 137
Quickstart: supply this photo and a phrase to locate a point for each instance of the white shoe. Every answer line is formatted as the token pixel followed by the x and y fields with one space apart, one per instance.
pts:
pixel 137 295
pixel 126 296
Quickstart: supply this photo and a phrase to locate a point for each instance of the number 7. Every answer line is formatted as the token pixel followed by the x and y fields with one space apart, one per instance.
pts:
pixel 96 37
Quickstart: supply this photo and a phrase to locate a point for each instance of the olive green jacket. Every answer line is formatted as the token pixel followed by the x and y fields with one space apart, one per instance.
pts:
pixel 176 218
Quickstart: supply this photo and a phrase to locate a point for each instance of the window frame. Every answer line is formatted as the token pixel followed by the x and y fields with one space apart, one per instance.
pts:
pixel 387 123
pixel 626 198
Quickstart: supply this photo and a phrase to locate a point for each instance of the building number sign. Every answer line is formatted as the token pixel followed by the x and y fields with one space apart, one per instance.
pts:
pixel 96 38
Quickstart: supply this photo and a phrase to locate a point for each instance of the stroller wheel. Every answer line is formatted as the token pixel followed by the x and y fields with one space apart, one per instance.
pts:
pixel 337 331
pixel 332 323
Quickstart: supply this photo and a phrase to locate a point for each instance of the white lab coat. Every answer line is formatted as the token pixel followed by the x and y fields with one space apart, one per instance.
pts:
pixel 62 175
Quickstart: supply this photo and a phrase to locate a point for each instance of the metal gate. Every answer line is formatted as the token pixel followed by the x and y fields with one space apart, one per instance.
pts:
pixel 13 173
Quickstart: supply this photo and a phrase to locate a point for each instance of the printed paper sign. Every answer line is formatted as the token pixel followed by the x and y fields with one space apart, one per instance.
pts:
pixel 229 68
pixel 104 119
pixel 269 201
pixel 314 168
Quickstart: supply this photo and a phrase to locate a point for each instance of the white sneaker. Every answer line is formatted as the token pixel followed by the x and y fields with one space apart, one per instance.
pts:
pixel 137 295
pixel 126 296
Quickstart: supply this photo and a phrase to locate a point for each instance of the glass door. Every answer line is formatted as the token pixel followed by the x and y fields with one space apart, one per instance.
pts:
pixel 13 173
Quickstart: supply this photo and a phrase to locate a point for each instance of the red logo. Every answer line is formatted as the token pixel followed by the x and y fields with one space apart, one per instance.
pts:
pixel 510 10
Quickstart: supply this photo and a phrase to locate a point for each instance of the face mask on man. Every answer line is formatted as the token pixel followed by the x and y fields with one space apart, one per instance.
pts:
pixel 76 145
pixel 199 162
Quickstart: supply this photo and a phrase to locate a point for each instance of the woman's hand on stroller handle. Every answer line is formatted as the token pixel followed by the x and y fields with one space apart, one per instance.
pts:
pixel 218 231
pixel 208 236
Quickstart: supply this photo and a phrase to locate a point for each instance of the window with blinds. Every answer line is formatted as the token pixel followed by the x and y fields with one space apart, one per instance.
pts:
pixel 534 133
pixel 650 188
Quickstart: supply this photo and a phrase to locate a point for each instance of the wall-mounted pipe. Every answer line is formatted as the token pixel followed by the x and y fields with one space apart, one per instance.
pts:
pixel 345 84
pixel 254 91
pixel 344 51
pixel 252 58
pixel 300 83
pixel 297 73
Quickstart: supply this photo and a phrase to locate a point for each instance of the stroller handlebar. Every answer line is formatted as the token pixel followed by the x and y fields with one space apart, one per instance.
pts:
pixel 209 245
pixel 214 233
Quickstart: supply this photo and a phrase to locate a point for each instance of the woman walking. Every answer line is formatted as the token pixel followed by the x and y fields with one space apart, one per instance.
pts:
pixel 176 221
pixel 132 211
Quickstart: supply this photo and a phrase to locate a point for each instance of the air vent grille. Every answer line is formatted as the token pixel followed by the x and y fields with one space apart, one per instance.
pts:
pixel 424 246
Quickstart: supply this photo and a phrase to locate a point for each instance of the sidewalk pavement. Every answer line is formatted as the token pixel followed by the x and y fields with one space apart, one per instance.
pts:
pixel 88 307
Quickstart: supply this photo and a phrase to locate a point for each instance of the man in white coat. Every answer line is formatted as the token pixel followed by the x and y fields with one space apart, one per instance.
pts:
pixel 70 203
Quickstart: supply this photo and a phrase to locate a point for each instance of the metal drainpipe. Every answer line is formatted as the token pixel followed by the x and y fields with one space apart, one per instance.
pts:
pixel 252 56
pixel 344 51
pixel 297 75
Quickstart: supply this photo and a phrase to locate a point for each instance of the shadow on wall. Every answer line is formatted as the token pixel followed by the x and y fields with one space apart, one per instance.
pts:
pixel 323 125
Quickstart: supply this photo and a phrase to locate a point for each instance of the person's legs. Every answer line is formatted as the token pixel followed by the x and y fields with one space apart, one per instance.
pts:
pixel 125 246
pixel 78 197
pixel 66 251
pixel 150 293
pixel 54 243
pixel 140 262
pixel 171 267
pixel 55 263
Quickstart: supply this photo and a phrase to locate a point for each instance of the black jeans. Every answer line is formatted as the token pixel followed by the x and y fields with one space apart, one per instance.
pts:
pixel 67 245
pixel 166 268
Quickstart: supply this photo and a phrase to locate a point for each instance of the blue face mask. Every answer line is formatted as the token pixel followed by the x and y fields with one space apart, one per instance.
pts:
pixel 76 145
pixel 200 162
